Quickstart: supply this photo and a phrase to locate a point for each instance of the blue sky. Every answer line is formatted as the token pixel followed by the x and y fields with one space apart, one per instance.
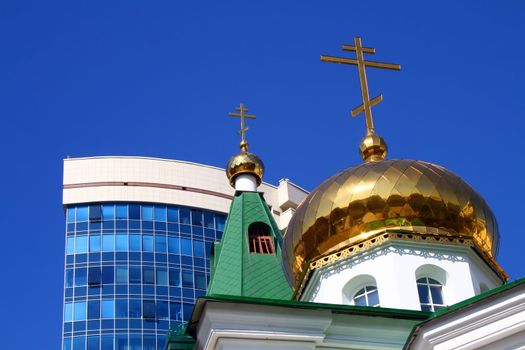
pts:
pixel 157 78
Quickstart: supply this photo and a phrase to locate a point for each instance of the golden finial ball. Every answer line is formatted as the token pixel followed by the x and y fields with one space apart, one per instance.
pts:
pixel 373 148
pixel 244 163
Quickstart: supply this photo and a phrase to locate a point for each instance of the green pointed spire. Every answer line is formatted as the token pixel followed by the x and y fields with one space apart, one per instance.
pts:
pixel 236 270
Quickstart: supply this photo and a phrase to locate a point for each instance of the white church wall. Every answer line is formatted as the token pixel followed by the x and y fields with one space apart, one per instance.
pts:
pixel 394 268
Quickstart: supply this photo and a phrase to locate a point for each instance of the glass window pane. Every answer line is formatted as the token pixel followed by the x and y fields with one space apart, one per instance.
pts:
pixel 173 214
pixel 95 212
pixel 80 311
pixel 147 212
pixel 373 298
pixel 160 244
pixel 426 307
pixel 184 214
pixel 200 280
pixel 82 213
pixel 108 308
pixel 108 243
pixel 108 211
pixel 94 244
pixel 68 312
pixel 94 310
pixel 94 275
pixel 80 277
pixel 196 217
pixel 121 309
pixel 67 344
pixel 108 274
pixel 107 342
pixel 423 294
pixel 219 222
pixel 208 220
pixel 93 343
pixel 175 311
pixel 162 310
pixel 148 275
pixel 198 248
pixel 121 342
pixel 437 297
pixel 122 274
pixel 134 211
pixel 174 277
pixel 147 243
pixel 187 278
pixel 121 243
pixel 134 243
pixel 173 245
pixel 135 308
pixel 81 244
pixel 121 211
pixel 71 214
pixel 148 309
pixel 186 246
pixel 162 277
pixel 135 274
pixel 360 301
pixel 69 278
pixel 149 342
pixel 70 245
pixel 160 213
pixel 79 343
pixel 433 281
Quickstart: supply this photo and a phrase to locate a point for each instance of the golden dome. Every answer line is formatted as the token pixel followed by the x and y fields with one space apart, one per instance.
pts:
pixel 244 163
pixel 410 198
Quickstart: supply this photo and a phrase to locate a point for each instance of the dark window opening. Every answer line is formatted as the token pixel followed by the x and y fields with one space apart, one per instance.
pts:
pixel 260 239
pixel 94 276
pixel 148 309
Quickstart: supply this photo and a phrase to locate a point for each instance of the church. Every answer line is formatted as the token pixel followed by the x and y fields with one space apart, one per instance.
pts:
pixel 387 254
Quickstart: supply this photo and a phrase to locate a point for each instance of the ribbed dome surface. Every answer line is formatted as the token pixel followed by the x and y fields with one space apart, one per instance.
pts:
pixel 396 193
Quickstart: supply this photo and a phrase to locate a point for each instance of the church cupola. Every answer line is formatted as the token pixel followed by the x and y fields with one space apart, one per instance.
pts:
pixel 244 170
pixel 247 262
pixel 391 232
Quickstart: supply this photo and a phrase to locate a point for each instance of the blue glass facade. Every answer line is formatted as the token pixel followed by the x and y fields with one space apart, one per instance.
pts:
pixel 133 270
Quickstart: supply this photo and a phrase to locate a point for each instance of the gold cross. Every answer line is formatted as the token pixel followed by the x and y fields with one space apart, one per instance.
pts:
pixel 242 110
pixel 361 64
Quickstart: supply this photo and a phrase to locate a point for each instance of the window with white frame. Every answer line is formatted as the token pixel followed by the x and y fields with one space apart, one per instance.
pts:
pixel 430 294
pixel 366 296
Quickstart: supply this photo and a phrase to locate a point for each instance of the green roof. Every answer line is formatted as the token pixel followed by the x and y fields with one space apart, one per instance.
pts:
pixel 465 304
pixel 178 339
pixel 236 271
pixel 482 296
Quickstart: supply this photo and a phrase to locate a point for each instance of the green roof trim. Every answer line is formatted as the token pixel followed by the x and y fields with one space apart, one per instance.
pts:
pixel 179 339
pixel 474 299
pixel 464 304
pixel 236 271
pixel 335 308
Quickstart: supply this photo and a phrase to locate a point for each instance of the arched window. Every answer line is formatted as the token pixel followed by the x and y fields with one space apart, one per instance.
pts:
pixel 430 294
pixel 260 238
pixel 366 296
pixel 361 291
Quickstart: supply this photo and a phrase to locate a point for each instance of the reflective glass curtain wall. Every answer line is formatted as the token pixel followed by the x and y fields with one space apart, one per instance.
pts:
pixel 133 270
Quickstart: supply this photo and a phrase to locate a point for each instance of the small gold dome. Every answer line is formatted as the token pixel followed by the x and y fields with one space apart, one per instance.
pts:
pixel 373 147
pixel 244 163
pixel 412 198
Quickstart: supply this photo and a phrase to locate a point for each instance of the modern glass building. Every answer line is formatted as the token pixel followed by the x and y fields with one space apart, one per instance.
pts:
pixel 133 270
pixel 138 238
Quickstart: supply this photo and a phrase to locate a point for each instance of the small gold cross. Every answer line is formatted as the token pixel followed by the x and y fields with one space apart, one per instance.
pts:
pixel 360 62
pixel 242 110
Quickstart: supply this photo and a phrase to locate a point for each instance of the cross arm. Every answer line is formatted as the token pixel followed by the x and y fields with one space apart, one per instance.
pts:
pixel 373 64
pixel 248 116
